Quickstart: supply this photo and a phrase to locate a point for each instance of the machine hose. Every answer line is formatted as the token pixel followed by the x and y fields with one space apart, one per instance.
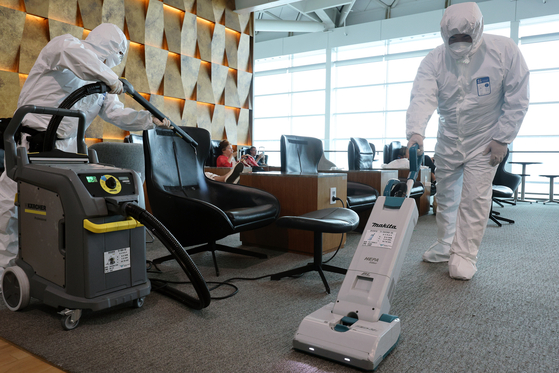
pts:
pixel 181 256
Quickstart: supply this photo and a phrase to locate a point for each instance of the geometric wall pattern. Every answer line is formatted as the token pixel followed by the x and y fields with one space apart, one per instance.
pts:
pixel 191 58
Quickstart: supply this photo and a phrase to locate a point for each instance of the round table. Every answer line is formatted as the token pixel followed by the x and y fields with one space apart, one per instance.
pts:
pixel 551 200
pixel 523 175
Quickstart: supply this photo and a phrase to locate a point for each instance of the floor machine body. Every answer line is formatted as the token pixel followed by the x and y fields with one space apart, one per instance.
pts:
pixel 357 329
pixel 76 252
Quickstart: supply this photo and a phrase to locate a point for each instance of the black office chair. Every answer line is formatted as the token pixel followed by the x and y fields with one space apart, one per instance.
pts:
pixel 213 152
pixel 360 154
pixel 301 154
pixel 195 209
pixel 504 186
pixel 390 152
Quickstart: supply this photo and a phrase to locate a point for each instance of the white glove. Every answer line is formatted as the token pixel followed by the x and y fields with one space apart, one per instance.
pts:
pixel 416 139
pixel 166 123
pixel 498 151
pixel 116 88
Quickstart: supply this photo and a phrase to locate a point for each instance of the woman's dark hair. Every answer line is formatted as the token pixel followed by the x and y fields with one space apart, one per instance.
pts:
pixel 223 144
pixel 252 147
pixel 402 152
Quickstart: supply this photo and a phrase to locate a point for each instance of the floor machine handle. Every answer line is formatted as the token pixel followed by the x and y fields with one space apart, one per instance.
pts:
pixel 10 146
pixel 128 88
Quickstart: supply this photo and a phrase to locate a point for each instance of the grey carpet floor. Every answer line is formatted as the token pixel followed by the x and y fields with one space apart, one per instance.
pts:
pixel 505 319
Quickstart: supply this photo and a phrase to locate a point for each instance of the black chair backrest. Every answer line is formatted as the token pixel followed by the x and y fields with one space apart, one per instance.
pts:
pixel 391 151
pixel 361 154
pixel 134 139
pixel 300 154
pixel 213 152
pixel 170 161
pixel 503 177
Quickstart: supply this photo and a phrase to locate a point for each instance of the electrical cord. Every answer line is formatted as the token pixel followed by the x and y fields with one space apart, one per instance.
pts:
pixel 342 238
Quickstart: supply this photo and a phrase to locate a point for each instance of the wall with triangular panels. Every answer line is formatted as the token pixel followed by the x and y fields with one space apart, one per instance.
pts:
pixel 191 58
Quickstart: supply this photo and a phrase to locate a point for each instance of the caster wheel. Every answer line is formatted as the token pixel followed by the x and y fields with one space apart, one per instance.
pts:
pixel 15 288
pixel 68 324
pixel 138 303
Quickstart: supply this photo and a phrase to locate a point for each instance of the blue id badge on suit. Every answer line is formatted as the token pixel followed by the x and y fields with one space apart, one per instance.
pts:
pixel 483 86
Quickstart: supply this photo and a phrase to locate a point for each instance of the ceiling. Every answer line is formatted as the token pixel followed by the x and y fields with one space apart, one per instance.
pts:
pixel 275 19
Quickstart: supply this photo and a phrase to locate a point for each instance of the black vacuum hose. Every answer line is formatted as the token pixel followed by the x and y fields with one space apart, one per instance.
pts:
pixel 181 256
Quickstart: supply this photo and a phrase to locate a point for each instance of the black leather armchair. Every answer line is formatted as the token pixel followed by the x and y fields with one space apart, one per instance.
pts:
pixel 360 154
pixel 504 186
pixel 390 152
pixel 195 209
pixel 213 152
pixel 301 155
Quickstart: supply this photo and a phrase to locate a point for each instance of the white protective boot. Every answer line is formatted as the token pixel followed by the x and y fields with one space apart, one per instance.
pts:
pixel 460 268
pixel 438 252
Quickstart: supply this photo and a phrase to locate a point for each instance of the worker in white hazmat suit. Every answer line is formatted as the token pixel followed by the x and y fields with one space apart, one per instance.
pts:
pixel 64 65
pixel 479 84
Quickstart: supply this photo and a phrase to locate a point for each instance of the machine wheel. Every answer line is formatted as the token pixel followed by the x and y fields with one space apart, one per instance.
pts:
pixel 68 324
pixel 139 302
pixel 15 288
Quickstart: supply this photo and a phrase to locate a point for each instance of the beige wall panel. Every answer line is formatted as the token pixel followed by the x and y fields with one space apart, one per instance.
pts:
pixel 9 93
pixel 135 14
pixel 218 124
pixel 173 108
pixel 204 9
pixel 231 125
pixel 218 45
pixel 232 18
pixel 35 37
pixel 231 47
pixel 189 35
pixel 179 4
pixel 219 7
pixel 231 90
pixel 64 11
pixel 190 68
pixel 204 91
pixel 113 12
pixel 172 25
pixel 172 83
pixel 243 127
pixel 37 7
pixel 156 61
pixel 158 101
pixel 91 12
pixel 60 28
pixel 204 34
pixel 12 23
pixel 219 79
pixel 154 24
pixel 113 133
pixel 204 118
pixel 190 113
pixel 190 6
pixel 131 103
pixel 95 130
pixel 119 69
pixel 244 83
pixel 22 79
pixel 135 70
pixel 13 4
pixel 244 53
pixel 245 20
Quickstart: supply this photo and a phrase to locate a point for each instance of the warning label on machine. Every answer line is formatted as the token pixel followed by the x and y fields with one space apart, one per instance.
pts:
pixel 117 259
pixel 384 239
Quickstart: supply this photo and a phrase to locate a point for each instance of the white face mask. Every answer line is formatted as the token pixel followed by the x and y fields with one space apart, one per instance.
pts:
pixel 460 49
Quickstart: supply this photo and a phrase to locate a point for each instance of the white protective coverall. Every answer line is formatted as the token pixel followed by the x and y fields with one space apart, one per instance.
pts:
pixel 481 92
pixel 64 65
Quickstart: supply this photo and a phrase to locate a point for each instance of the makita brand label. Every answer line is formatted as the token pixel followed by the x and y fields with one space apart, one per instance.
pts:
pixel 384 225
pixel 34 206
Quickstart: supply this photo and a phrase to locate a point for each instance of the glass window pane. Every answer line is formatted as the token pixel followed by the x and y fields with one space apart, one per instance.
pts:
pixel 396 124
pixel 309 58
pixel 367 125
pixel 271 106
pixel 278 83
pixel 543 86
pixel 540 121
pixel 359 74
pixel 541 55
pixel 398 96
pixel 414 43
pixel 273 63
pixel 359 99
pixel 307 103
pixel 539 26
pixel 312 126
pixel 352 52
pixel 309 80
pixel 403 70
pixel 271 129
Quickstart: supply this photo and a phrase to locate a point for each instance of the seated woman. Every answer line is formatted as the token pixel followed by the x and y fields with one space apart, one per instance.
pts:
pixel 226 159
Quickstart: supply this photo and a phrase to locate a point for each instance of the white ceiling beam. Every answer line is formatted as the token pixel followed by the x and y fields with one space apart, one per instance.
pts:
pixel 345 11
pixel 249 6
pixel 328 22
pixel 287 26
pixel 308 6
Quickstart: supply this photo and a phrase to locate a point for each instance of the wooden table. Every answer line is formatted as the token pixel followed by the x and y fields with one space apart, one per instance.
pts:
pixel 297 194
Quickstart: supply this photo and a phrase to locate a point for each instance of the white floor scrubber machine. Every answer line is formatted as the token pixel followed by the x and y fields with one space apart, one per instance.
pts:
pixel 357 329
pixel 81 229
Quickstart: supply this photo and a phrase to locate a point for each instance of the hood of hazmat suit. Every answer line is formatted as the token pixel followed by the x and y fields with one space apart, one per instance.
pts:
pixel 66 64
pixel 466 19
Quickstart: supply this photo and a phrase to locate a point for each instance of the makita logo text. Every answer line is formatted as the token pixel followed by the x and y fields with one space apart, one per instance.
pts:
pixel 34 206
pixel 390 226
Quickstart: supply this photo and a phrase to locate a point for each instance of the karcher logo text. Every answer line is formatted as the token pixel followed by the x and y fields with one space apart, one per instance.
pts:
pixel 34 206
pixel 389 226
